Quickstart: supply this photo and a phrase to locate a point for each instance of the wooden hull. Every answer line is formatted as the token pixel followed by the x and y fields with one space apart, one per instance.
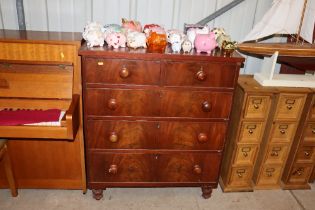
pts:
pixel 284 49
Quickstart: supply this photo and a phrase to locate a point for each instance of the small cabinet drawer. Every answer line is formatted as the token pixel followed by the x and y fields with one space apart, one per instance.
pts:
pixel 198 104
pixel 276 154
pixel 290 106
pixel 282 132
pixel 245 154
pixel 122 102
pixel 300 173
pixel 192 136
pixel 199 74
pixel 312 112
pixel 251 132
pixel 188 167
pixel 122 71
pixel 240 176
pixel 306 154
pixel 309 133
pixel 257 107
pixel 102 134
pixel 120 167
pixel 269 175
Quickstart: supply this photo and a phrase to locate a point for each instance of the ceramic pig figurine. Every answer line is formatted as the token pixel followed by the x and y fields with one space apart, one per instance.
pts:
pixel 136 39
pixel 205 42
pixel 93 34
pixel 116 40
pixel 192 32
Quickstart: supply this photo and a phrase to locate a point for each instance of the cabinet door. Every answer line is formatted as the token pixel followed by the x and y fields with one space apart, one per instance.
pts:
pixel 188 167
pixel 120 167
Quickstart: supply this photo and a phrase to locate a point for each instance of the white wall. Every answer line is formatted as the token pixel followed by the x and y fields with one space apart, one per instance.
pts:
pixel 72 15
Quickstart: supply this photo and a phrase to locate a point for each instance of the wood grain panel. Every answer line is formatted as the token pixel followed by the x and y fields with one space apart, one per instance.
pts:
pixel 123 102
pixel 122 71
pixel 192 104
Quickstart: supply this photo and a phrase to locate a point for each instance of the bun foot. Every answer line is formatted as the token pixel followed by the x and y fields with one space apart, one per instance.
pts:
pixel 97 194
pixel 206 192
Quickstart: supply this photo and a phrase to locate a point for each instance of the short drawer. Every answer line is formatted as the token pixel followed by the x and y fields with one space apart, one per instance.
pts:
pixel 283 132
pixel 198 104
pixel 122 102
pixel 118 134
pixel 240 176
pixel 257 107
pixel 121 71
pixel 251 132
pixel 120 167
pixel 199 74
pixel 309 133
pixel 269 175
pixel 277 153
pixel 245 154
pixel 290 106
pixel 192 136
pixel 38 52
pixel 300 173
pixel 305 154
pixel 312 113
pixel 188 167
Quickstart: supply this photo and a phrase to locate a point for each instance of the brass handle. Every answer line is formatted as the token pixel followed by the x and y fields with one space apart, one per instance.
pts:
pixel 206 106
pixel 113 169
pixel 289 107
pixel 124 72
pixel 197 169
pixel 313 131
pixel 112 104
pixel 113 137
pixel 306 153
pixel 245 154
pixel 239 175
pixel 274 154
pixel 256 106
pixel 269 174
pixel 201 75
pixel 282 131
pixel 250 131
pixel 202 137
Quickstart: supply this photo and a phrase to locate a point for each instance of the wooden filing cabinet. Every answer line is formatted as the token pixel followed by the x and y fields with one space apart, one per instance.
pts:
pixel 275 113
pixel 288 105
pixel 37 68
pixel 251 108
pixel 155 119
pixel 299 168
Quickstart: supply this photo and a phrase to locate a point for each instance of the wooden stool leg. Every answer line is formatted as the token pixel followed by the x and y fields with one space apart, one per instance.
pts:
pixel 9 172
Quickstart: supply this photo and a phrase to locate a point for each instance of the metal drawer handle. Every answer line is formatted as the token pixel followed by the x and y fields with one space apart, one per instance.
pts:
pixel 113 137
pixel 306 153
pixel 313 130
pixel 245 154
pixel 289 107
pixel 256 106
pixel 274 154
pixel 282 131
pixel 250 131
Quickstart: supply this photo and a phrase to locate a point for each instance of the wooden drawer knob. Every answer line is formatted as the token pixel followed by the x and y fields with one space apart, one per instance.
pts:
pixel 197 169
pixel 206 106
pixel 124 72
pixel 112 104
pixel 202 137
pixel 201 75
pixel 113 137
pixel 113 169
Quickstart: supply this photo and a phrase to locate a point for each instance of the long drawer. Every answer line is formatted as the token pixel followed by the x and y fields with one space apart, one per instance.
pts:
pixel 119 134
pixel 158 103
pixel 183 167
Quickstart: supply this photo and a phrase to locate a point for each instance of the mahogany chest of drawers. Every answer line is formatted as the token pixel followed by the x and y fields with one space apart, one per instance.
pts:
pixel 155 119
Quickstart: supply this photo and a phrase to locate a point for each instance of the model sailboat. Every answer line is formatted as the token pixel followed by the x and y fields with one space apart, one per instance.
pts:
pixel 286 17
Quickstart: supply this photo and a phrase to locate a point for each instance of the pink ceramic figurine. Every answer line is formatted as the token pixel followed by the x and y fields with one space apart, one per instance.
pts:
pixel 116 40
pixel 205 42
